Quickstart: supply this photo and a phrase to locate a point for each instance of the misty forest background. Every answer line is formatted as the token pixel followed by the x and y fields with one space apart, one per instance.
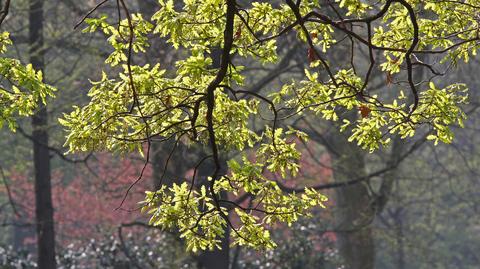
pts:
pixel 420 212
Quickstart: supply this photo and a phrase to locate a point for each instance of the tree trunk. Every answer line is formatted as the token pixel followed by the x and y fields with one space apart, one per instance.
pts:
pixel 41 154
pixel 218 258
pixel 354 213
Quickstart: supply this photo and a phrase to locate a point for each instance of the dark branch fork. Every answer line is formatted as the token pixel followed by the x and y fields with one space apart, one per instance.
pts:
pixel 210 101
pixel 341 24
pixel 368 21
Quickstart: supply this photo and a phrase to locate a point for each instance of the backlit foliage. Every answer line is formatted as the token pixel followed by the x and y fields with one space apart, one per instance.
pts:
pixel 21 87
pixel 200 102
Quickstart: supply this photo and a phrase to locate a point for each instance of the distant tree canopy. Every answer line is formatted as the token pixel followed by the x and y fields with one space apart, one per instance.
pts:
pixel 207 101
